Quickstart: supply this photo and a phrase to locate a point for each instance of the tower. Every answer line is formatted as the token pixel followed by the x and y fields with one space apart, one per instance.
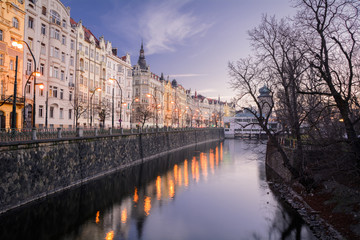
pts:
pixel 265 100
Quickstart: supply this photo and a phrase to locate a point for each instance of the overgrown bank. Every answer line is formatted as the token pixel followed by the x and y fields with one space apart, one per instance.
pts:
pixel 330 202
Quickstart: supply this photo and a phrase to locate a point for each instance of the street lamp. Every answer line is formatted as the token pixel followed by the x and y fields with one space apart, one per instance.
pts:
pixel 18 44
pixel 91 105
pixel 120 120
pixel 36 74
pixel 131 114
pixel 149 95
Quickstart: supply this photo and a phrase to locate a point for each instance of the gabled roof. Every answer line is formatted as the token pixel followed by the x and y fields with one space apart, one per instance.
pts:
pixel 87 33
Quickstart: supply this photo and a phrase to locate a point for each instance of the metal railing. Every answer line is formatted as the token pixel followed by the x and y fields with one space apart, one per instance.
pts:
pixel 28 134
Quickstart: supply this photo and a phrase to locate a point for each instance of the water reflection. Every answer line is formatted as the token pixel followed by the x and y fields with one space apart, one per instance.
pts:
pixel 213 191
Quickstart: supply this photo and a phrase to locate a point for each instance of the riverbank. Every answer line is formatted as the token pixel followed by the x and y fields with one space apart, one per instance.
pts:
pixel 330 203
pixel 32 170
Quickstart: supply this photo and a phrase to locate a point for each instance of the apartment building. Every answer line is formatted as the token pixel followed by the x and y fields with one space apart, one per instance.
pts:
pixel 12 14
pixel 51 40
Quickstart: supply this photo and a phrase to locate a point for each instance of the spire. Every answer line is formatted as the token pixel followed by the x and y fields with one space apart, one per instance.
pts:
pixel 142 61
pixel 162 77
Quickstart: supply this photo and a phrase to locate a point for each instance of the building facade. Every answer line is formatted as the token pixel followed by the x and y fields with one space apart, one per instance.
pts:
pixel 51 40
pixel 12 15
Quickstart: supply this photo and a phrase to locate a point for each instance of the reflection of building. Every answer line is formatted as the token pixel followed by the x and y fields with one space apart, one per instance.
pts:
pixel 11 28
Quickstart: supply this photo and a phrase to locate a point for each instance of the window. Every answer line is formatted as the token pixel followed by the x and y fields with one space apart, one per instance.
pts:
pixel 64 23
pixel 1 59
pixel 30 22
pixel 29 65
pixel 55 33
pixel 71 61
pixel 91 67
pixel 70 113
pixel 43 49
pixel 11 64
pixel 86 50
pixel 70 96
pixel 43 29
pixel 28 89
pixel 80 46
pixel 55 92
pixel 15 22
pixel 92 53
pixel 61 93
pixel 63 39
pixel 63 57
pixel 62 75
pixel 61 113
pixel 71 78
pixel 43 11
pixel 51 112
pixel 97 56
pixel 1 35
pixel 30 42
pixel 72 45
pixel 54 17
pixel 41 111
pixel 55 72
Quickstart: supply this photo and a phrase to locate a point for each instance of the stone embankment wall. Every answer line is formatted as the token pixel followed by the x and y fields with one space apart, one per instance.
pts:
pixel 275 162
pixel 39 168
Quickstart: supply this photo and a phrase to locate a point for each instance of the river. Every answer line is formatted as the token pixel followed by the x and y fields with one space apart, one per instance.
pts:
pixel 212 191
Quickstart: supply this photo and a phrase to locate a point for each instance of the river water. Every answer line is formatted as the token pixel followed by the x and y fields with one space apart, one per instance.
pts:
pixel 213 191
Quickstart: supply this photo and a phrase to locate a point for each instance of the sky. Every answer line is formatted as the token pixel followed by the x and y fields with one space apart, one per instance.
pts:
pixel 191 41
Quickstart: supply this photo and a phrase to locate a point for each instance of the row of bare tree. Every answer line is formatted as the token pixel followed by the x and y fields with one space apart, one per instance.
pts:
pixel 311 64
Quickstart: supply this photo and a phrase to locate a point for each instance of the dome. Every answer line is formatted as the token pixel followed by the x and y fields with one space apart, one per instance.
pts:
pixel 264 91
pixel 174 83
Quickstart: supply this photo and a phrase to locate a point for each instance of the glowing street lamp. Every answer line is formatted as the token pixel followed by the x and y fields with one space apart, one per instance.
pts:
pixel 19 45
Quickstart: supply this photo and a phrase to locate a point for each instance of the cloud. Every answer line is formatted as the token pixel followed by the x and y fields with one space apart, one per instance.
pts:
pixel 164 25
pixel 209 90
pixel 187 75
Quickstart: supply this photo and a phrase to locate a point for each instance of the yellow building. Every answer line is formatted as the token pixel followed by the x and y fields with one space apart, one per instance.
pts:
pixel 12 15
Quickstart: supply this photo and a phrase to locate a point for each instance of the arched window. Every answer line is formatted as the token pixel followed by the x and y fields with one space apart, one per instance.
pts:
pixel 54 17
pixel 15 23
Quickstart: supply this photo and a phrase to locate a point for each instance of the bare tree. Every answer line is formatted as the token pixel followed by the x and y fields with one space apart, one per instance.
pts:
pixel 104 111
pixel 80 108
pixel 144 114
pixel 331 38
pixel 246 75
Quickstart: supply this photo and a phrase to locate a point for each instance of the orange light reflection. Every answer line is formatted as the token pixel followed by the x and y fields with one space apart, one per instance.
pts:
pixel 158 188
pixel 124 215
pixel 110 235
pixel 217 156
pixel 97 220
pixel 147 205
pixel 186 173
pixel 176 173
pixel 211 161
pixel 221 151
pixel 193 165
pixel 171 189
pixel 203 164
pixel 136 196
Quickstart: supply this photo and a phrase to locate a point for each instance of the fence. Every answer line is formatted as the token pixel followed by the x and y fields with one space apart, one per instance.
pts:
pixel 19 135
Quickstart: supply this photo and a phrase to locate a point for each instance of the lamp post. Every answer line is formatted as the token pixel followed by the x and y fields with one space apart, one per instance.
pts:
pixel 37 74
pixel 18 45
pixel 149 95
pixel 120 120
pixel 131 116
pixel 91 105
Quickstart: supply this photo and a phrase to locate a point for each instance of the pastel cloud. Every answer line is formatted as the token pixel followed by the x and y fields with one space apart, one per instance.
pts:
pixel 165 25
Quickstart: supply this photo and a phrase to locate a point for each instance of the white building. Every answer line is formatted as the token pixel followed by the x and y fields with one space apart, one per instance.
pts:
pixel 52 41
